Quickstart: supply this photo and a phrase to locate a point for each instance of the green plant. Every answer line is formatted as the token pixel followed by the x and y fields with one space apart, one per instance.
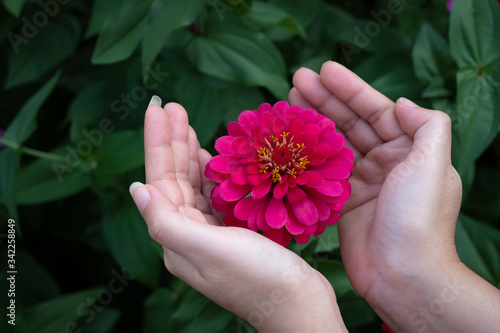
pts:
pixel 76 82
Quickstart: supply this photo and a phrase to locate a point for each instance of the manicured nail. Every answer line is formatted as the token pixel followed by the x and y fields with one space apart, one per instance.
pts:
pixel 155 100
pixel 140 194
pixel 407 102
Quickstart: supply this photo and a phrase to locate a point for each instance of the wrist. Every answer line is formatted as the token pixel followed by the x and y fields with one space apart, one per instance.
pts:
pixel 307 304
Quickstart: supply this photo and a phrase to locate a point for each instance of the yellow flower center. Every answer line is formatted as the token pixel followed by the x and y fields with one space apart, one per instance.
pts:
pixel 282 157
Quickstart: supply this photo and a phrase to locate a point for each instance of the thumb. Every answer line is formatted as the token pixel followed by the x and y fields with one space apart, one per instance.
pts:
pixel 430 129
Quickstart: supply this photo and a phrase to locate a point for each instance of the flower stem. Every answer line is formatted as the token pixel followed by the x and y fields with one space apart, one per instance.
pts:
pixel 33 152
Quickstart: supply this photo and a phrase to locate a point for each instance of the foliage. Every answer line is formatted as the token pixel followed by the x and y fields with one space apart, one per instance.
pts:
pixel 77 79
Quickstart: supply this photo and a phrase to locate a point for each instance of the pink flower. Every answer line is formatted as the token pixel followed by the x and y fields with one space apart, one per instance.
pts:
pixel 386 328
pixel 282 170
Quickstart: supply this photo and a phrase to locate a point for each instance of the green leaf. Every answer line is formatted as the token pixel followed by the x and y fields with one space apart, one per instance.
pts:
pixel 477 114
pixel 130 244
pixel 21 128
pixel 478 246
pixel 164 17
pixel 474 32
pixel 14 6
pixel 432 62
pixel 120 152
pixel 44 181
pixel 159 306
pixel 103 322
pixel 35 58
pixel 355 310
pixel 186 309
pixel 335 273
pixel 329 240
pixel 264 15
pixel 101 11
pixel 55 315
pixel 38 285
pixel 235 52
pixel 122 33
pixel 211 318
pixel 9 164
pixel 397 83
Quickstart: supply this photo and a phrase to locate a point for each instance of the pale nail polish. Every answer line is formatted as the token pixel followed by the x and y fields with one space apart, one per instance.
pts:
pixel 140 194
pixel 407 102
pixel 155 100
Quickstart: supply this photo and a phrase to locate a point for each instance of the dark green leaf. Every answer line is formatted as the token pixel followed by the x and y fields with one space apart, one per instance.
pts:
pixel 334 272
pixel 264 15
pixel 474 33
pixel 35 58
pixel 14 6
pixel 159 306
pixel 38 285
pixel 130 244
pixel 478 246
pixel 477 114
pixel 101 11
pixel 103 322
pixel 211 318
pixel 432 62
pixel 21 128
pixel 45 180
pixel 235 52
pixel 121 34
pixel 355 310
pixel 164 17
pixel 119 152
pixel 57 314
pixel 397 83
pixel 9 164
pixel 329 240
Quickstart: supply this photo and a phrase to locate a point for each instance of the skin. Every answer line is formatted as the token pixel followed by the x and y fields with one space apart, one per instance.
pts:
pixel 396 232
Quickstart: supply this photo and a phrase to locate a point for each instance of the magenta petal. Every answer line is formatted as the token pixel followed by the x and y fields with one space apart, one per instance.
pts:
pixel 253 168
pixel 249 120
pixel 279 236
pixel 334 217
pixel 292 225
pixel 224 145
pixel 261 219
pixel 215 176
pixel 254 179
pixel 260 191
pixel 302 239
pixel 220 163
pixel 276 214
pixel 332 170
pixel 301 179
pixel 320 229
pixel 241 145
pixel 314 178
pixel 239 176
pixel 280 190
pixel 295 195
pixel 243 208
pixel 323 210
pixel 235 129
pixel 252 217
pixel 331 188
pixel 306 212
pixel 230 191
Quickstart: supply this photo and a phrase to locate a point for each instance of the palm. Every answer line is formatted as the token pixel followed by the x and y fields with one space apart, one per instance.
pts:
pixel 373 225
pixel 211 258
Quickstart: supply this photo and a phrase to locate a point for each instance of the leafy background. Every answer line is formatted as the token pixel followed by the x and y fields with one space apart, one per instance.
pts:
pixel 77 75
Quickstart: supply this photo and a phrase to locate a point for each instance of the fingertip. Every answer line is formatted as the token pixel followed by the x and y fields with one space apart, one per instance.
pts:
pixel 155 100
pixel 407 102
pixel 140 194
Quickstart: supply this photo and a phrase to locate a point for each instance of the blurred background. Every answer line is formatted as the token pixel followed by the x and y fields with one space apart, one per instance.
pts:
pixel 76 77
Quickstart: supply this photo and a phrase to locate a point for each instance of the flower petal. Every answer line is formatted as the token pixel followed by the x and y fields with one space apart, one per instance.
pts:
pixel 320 229
pixel 241 145
pixel 239 176
pixel 292 224
pixel 276 214
pixel 235 129
pixel 220 163
pixel 215 176
pixel 314 178
pixel 302 239
pixel 331 188
pixel 280 190
pixel 295 195
pixel 224 145
pixel 243 208
pixel 260 191
pixel 305 211
pixel 230 191
pixel 279 236
pixel 333 218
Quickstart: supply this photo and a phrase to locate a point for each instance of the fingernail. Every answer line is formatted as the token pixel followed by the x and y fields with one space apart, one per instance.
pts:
pixel 407 102
pixel 140 194
pixel 155 100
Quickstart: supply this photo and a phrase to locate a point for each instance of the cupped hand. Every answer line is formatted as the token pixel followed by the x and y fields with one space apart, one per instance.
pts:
pixel 257 279
pixel 400 219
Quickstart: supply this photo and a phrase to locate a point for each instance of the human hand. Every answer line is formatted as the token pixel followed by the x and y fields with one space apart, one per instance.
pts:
pixel 246 273
pixel 399 223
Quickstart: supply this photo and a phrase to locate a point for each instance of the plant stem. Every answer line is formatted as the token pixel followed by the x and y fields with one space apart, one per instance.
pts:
pixel 33 152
